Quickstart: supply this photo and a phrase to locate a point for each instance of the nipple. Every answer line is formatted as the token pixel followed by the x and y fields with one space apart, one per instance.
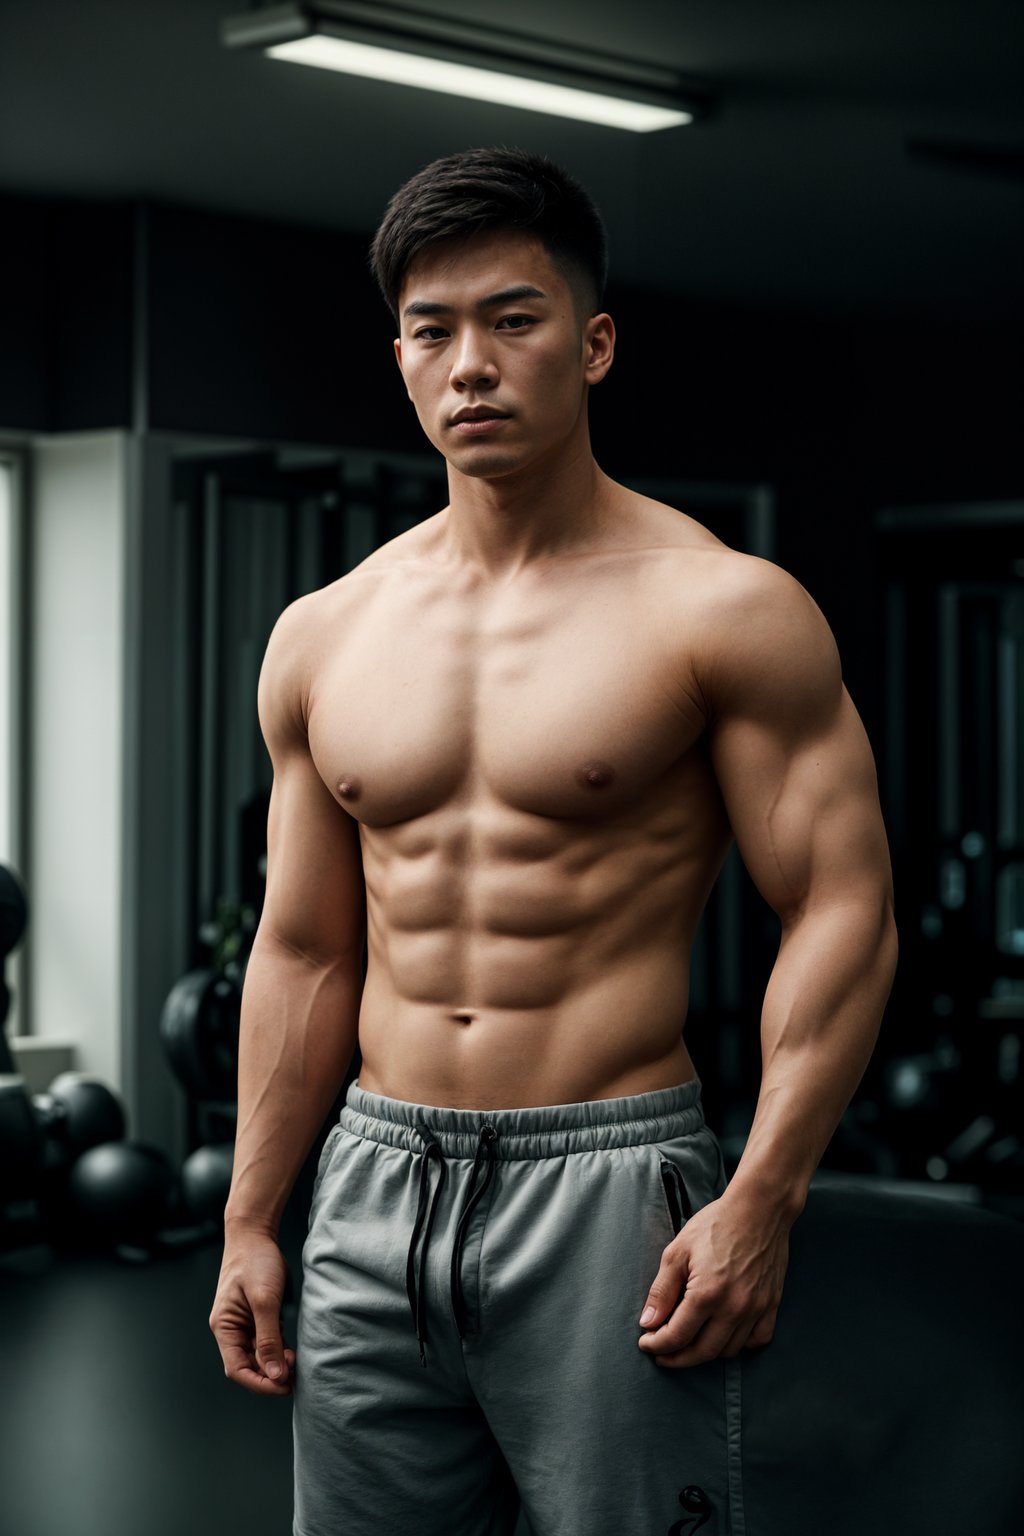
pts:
pixel 595 774
pixel 349 787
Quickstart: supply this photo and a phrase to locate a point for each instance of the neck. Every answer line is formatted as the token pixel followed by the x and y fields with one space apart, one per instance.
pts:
pixel 552 507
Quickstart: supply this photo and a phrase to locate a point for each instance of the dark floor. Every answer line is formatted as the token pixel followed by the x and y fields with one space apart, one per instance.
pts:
pixel 117 1417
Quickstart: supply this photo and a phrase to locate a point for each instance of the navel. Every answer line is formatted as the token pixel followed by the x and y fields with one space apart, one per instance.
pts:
pixel 595 774
pixel 349 787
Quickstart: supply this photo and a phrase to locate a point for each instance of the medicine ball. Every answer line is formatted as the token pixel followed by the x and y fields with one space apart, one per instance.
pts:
pixel 206 1181
pixel 119 1193
pixel 93 1114
pixel 13 910
pixel 199 1030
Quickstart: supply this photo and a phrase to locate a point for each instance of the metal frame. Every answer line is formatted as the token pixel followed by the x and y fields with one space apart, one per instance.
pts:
pixel 953 514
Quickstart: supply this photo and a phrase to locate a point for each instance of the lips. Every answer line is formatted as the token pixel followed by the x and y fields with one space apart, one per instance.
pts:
pixel 478 426
pixel 477 413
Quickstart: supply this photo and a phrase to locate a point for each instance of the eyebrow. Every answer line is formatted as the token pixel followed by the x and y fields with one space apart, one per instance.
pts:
pixel 506 296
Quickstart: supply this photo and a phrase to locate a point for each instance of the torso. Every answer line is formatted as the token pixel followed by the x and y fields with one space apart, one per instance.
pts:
pixel 539 822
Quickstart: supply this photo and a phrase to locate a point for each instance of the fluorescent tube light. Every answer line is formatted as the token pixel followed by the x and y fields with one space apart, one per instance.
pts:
pixel 480 84
pixel 382 41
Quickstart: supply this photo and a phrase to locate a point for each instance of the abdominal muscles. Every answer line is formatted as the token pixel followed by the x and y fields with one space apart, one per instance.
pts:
pixel 514 959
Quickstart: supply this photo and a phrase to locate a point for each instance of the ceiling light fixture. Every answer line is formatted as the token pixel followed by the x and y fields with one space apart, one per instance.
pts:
pixel 435 53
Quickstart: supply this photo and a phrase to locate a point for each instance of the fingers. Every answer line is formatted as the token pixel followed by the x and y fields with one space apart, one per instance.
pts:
pixel 673 1316
pixel 763 1331
pixel 718 1288
pixel 691 1325
pixel 669 1284
pixel 679 1330
pixel 251 1346
pixel 242 1367
pixel 708 1335
pixel 709 1343
pixel 269 1344
pixel 246 1316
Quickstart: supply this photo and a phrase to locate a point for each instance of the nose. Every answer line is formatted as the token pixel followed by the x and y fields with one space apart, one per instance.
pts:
pixel 473 362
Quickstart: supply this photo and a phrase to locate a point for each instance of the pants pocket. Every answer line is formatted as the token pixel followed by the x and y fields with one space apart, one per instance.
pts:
pixel 325 1157
pixel 677 1199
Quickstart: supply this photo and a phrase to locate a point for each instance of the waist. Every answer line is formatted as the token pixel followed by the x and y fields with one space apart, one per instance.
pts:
pixel 534 1131
pixel 498 1063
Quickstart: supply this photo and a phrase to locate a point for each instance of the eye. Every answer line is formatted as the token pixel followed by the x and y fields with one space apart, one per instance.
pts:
pixel 526 319
pixel 425 334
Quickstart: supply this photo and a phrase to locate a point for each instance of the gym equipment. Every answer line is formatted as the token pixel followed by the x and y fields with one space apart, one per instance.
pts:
pixel 206 1180
pixel 199 1030
pixel 13 910
pixel 953 622
pixel 40 1137
pixel 8 1066
pixel 13 918
pixel 21 1143
pixel 119 1193
pixel 59 1185
pixel 91 1112
pixel 892 1394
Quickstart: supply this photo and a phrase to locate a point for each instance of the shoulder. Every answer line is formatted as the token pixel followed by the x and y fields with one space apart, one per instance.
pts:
pixel 743 634
pixel 300 634
pixel 304 623
pixel 283 686
pixel 764 644
pixel 313 625
pixel 748 589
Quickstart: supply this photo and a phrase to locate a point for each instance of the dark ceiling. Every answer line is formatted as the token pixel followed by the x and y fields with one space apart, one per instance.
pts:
pixel 800 191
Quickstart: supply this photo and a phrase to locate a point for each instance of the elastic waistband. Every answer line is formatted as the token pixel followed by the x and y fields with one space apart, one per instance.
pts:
pixel 543 1130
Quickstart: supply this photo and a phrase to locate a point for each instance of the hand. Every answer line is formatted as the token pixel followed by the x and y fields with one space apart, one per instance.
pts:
pixel 246 1316
pixel 728 1263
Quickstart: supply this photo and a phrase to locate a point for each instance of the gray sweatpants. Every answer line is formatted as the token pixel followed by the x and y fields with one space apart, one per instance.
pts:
pixel 467 1335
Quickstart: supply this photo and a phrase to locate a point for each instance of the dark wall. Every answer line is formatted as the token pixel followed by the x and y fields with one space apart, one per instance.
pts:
pixel 272 331
pixel 269 331
pixel 841 414
pixel 66 286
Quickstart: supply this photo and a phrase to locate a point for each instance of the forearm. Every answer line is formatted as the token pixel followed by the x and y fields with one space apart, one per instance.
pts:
pixel 822 1012
pixel 299 1027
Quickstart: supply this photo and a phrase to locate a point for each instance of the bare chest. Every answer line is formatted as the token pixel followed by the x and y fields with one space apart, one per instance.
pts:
pixel 559 703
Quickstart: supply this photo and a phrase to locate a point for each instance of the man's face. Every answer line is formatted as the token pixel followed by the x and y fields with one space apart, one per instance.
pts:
pixel 488 325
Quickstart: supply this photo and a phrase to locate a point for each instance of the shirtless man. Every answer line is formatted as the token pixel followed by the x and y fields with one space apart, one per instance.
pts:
pixel 510 751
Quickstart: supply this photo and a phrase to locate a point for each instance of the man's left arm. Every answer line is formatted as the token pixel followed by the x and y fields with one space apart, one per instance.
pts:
pixel 798 780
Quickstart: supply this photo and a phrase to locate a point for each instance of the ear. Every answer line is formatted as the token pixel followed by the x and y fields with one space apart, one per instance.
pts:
pixel 598 347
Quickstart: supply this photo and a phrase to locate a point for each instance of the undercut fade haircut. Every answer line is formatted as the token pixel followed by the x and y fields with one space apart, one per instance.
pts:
pixel 478 190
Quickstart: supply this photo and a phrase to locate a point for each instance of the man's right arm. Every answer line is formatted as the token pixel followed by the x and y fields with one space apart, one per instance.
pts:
pixel 300 1002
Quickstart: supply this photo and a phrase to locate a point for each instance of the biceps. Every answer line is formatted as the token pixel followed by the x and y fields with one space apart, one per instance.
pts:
pixel 804 811
pixel 315 897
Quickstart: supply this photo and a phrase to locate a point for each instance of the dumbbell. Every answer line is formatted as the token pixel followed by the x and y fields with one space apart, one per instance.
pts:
pixel 42 1135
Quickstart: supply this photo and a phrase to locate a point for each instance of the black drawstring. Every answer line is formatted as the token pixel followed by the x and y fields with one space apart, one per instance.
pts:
pixel 417 1298
pixel 488 1136
pixel 416 1289
pixel 696 1502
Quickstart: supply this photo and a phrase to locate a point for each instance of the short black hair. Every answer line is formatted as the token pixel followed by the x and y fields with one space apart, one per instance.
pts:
pixel 465 194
